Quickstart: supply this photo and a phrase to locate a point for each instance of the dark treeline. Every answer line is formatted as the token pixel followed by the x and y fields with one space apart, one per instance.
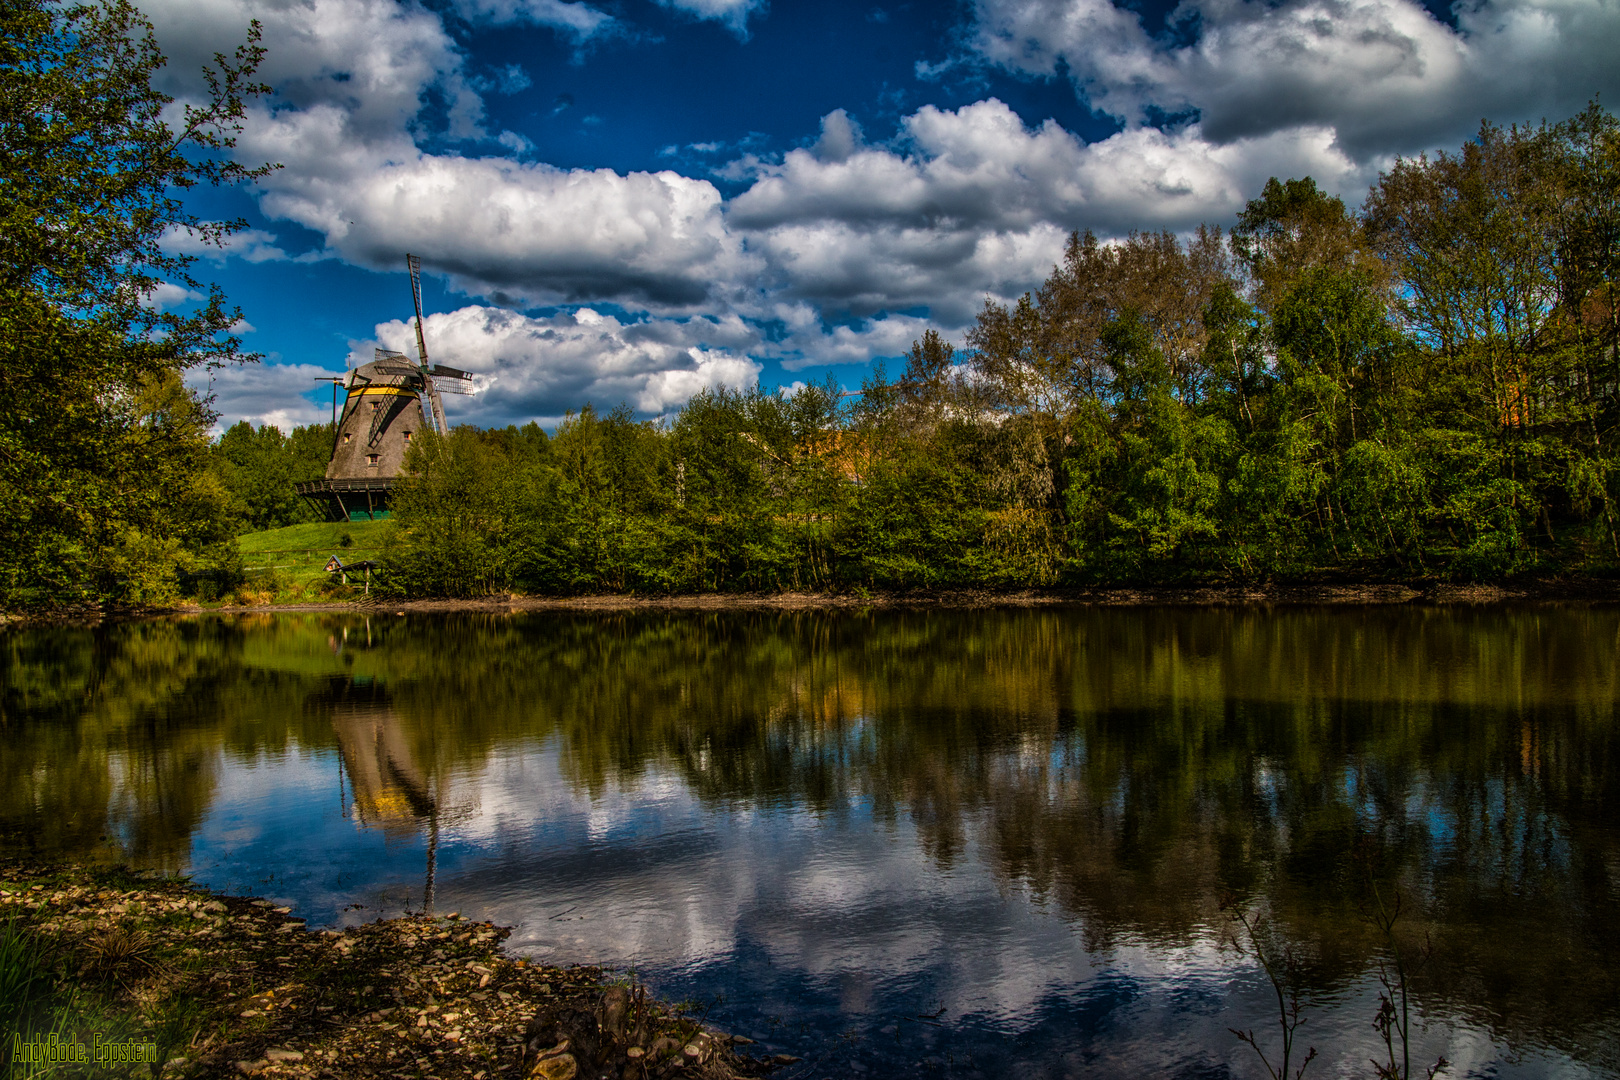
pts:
pixel 1426 387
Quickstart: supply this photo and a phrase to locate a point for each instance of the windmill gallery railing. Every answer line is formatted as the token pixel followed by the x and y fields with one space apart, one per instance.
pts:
pixel 352 499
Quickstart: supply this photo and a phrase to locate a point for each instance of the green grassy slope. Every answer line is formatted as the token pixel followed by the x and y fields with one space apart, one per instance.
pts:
pixel 363 535
pixel 288 564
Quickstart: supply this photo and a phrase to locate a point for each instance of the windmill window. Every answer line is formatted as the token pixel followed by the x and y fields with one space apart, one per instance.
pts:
pixel 407 436
pixel 347 435
pixel 372 459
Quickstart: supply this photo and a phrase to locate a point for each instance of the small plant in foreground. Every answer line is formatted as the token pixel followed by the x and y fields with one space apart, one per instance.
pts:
pixel 1283 971
pixel 1394 1021
pixel 25 979
pixel 121 954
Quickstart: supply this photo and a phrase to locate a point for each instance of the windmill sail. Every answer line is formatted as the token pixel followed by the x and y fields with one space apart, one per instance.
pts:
pixel 449 380
pixel 430 400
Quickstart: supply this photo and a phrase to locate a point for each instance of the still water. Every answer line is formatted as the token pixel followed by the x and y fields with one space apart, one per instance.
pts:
pixel 1003 843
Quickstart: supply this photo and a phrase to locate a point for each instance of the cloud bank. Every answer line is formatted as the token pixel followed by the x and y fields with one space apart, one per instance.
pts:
pixel 540 368
pixel 1384 75
pixel 843 249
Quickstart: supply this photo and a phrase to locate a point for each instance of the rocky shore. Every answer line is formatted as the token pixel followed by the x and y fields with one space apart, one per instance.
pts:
pixel 207 986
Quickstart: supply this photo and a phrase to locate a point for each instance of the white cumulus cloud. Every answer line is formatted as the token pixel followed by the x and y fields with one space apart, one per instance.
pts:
pixel 262 394
pixel 973 202
pixel 363 65
pixel 166 294
pixel 846 248
pixel 530 367
pixel 577 21
pixel 253 245
pixel 1384 75
pixel 513 230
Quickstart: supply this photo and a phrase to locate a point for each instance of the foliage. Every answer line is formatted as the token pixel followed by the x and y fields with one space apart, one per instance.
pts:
pixel 1425 387
pixel 102 491
pixel 259 466
pixel 25 980
pixel 103 496
pixel 1429 387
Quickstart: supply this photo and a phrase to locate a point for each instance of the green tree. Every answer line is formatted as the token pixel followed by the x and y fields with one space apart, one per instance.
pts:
pixel 1431 386
pixel 616 492
pixel 101 447
pixel 1295 227
pixel 260 466
pixel 1169 459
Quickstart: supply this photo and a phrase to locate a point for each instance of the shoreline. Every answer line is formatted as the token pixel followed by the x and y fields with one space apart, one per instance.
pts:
pixel 193 983
pixel 1548 590
pixel 1580 591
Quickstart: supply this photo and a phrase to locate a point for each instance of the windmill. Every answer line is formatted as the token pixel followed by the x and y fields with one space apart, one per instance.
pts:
pixel 389 401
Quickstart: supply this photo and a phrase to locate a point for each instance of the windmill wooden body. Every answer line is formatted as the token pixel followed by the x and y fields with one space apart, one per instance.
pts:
pixel 390 402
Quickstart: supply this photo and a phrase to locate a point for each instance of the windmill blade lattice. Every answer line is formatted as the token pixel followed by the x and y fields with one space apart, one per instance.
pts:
pixel 430 397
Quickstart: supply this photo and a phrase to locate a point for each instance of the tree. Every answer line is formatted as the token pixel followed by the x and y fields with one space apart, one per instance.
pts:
pixel 1474 237
pixel 91 172
pixel 1505 256
pixel 1047 354
pixel 1295 227
pixel 260 466
pixel 928 372
pixel 100 445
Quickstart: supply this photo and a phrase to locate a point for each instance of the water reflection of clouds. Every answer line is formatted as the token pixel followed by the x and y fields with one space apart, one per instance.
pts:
pixel 886 841
pixel 279 830
pixel 847 910
pixel 646 875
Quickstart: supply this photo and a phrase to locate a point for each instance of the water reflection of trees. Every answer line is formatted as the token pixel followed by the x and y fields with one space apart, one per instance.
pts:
pixel 1133 766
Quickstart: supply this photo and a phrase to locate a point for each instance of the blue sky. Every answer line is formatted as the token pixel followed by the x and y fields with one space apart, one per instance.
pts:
pixel 630 200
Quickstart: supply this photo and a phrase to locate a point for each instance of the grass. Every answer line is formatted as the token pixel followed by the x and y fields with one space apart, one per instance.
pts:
pixel 287 565
pixel 25 978
pixel 324 535
pixel 38 997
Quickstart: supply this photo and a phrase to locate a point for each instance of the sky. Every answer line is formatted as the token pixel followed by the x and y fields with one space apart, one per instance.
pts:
pixel 632 200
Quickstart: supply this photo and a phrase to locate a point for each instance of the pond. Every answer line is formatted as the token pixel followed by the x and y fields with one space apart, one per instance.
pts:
pixel 902 843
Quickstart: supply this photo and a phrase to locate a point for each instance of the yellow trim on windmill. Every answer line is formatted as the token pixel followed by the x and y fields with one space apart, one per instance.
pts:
pixel 387 391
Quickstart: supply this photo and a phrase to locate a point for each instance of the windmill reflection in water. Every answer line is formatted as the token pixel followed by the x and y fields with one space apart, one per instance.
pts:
pixel 389 789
